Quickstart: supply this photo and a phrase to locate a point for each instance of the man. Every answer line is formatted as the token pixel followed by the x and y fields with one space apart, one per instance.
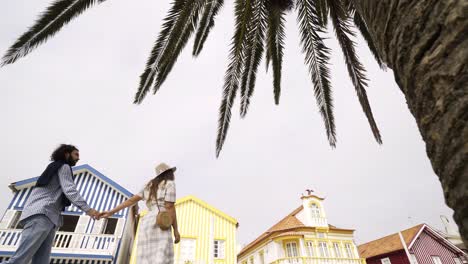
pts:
pixel 41 217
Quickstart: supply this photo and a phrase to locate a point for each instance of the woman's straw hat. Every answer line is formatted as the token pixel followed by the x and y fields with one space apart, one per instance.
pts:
pixel 163 167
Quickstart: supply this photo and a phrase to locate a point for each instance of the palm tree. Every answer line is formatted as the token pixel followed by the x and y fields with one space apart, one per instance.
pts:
pixel 259 28
pixel 410 37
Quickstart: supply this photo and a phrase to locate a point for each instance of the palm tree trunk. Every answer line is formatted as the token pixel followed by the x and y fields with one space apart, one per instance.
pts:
pixel 425 43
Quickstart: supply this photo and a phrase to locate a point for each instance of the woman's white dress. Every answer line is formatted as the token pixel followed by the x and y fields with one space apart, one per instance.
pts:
pixel 155 246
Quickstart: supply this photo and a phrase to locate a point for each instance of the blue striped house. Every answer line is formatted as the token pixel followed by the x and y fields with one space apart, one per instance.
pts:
pixel 80 240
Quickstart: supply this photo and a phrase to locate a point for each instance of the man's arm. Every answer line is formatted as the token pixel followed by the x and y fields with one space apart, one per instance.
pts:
pixel 69 189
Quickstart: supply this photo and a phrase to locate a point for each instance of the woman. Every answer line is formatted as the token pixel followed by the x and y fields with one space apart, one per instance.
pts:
pixel 155 246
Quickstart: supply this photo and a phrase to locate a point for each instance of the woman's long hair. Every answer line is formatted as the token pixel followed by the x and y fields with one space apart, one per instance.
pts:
pixel 154 183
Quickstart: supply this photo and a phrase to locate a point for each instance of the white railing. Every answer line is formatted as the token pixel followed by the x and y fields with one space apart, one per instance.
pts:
pixel 319 221
pixel 312 260
pixel 67 242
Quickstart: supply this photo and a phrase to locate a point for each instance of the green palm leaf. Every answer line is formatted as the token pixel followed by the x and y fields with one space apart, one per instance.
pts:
pixel 210 10
pixel 341 23
pixel 361 25
pixel 148 76
pixel 243 13
pixel 184 26
pixel 316 58
pixel 57 15
pixel 275 46
pixel 254 51
pixel 322 8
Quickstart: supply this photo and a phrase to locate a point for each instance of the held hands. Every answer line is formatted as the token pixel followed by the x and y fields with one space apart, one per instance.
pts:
pixel 105 214
pixel 94 214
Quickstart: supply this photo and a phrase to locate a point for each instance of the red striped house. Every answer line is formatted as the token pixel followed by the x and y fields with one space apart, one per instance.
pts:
pixel 417 245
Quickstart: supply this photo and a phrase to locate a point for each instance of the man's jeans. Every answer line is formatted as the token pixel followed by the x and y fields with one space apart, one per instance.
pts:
pixel 36 241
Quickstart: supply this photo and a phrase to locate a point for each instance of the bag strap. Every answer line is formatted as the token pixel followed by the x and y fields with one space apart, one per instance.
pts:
pixel 165 192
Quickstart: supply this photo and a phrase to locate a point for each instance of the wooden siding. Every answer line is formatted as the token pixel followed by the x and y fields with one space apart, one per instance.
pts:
pixel 428 245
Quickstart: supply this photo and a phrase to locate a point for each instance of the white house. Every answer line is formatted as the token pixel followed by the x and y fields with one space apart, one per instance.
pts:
pixel 80 239
pixel 303 237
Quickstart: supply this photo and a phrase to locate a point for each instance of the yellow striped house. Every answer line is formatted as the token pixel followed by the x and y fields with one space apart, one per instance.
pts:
pixel 208 236
pixel 303 237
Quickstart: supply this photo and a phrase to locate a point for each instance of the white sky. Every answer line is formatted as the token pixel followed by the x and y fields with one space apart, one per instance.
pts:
pixel 78 88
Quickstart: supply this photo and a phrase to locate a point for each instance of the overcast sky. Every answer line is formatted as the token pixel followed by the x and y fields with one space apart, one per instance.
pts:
pixel 78 88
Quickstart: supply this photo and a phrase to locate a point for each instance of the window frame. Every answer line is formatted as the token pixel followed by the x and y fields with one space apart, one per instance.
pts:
pixel 310 249
pixel 291 242
pixel 337 249
pixel 15 222
pixel 436 257
pixel 349 250
pixel 217 250
pixel 327 250
pixel 385 260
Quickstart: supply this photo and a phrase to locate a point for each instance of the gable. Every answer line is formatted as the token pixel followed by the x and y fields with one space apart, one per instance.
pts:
pixel 430 238
pixel 389 243
pixel 100 192
pixel 206 206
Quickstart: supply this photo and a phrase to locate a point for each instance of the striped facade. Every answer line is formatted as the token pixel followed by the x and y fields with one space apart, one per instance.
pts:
pixel 200 225
pixel 70 261
pixel 100 194
pixel 424 246
pixel 90 242
pixel 428 245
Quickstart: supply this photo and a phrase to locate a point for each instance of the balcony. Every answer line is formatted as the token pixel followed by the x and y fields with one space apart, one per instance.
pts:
pixel 312 260
pixel 67 243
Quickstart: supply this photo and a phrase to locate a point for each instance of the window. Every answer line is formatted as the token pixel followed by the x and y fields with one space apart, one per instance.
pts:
pixel 436 260
pixel 315 210
pixel 15 223
pixel 69 223
pixel 291 250
pixel 110 225
pixel 251 260
pixel 385 261
pixel 323 248
pixel 457 261
pixel 218 249
pixel 187 249
pixel 310 248
pixel 337 249
pixel 349 250
pixel 262 257
pixel 414 260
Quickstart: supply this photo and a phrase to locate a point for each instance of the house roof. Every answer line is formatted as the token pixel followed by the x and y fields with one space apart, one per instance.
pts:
pixel 289 225
pixel 15 186
pixel 204 205
pixel 389 243
pixel 393 242
pixel 207 206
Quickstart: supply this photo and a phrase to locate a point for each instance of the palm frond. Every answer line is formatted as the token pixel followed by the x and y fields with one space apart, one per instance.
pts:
pixel 275 46
pixel 210 10
pixel 254 52
pixel 361 25
pixel 316 58
pixel 322 8
pixel 148 76
pixel 348 5
pixel 184 26
pixel 243 14
pixel 57 15
pixel 341 24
